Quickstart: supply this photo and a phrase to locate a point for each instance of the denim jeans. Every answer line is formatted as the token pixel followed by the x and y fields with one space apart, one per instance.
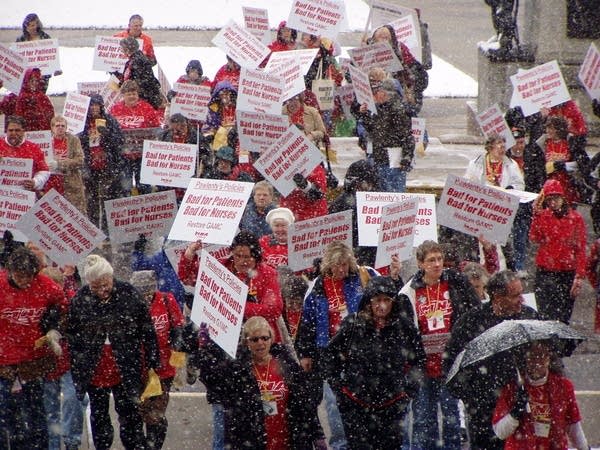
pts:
pixel 520 232
pixel 22 416
pixel 337 440
pixel 52 408
pixel 218 426
pixel 425 413
pixel 391 179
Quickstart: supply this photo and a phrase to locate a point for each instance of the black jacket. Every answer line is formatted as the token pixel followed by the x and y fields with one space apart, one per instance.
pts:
pixel 140 69
pixel 126 321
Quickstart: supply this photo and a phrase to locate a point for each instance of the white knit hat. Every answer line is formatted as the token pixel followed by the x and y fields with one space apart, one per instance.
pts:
pixel 95 267
pixel 280 213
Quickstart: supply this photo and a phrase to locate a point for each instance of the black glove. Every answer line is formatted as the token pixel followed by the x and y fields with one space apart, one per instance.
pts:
pixel 405 165
pixel 300 181
pixel 140 244
pixel 520 407
pixel 314 194
pixel 559 165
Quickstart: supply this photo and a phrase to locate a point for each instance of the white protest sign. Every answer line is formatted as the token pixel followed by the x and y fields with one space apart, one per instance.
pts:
pixel 293 79
pixel 241 46
pixel 409 33
pixel 257 131
pixel 168 163
pixel 13 204
pixel 368 215
pixel 318 17
pixel 90 87
pixel 260 91
pixel 304 57
pixel 59 229
pixel 307 239
pixel 492 121
pixel 191 101
pixel 346 95
pixel 75 112
pixel 379 54
pixel 111 93
pixel 44 141
pixel 211 211
pixel 150 214
pixel 476 209
pixel 589 72
pixel 256 21
pixel 14 171
pixel 108 56
pixel 383 13
pixel 42 53
pixel 397 231
pixel 219 302
pixel 292 153
pixel 362 88
pixel 418 130
pixel 542 86
pixel 12 69
pixel 165 85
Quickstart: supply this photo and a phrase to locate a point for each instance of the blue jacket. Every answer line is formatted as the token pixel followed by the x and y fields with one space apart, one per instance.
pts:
pixel 168 281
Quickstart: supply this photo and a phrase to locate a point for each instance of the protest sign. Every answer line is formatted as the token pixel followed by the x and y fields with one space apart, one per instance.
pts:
pixel 12 69
pixel 408 32
pixel 307 239
pixel 75 112
pixel 256 21
pixel 191 101
pixel 383 13
pixel 379 54
pixel 362 88
pixel 318 17
pixel 13 204
pixel 151 215
pixel 418 132
pixel 165 85
pixel 589 72
pixel 492 121
pixel 134 138
pixel 260 91
pixel 397 231
pixel 368 215
pixel 542 86
pixel 476 209
pixel 257 131
pixel 304 57
pixel 108 56
pixel 44 141
pixel 211 211
pixel 219 302
pixel 346 95
pixel 168 163
pixel 90 87
pixel 292 77
pixel 42 54
pixel 59 229
pixel 292 153
pixel 14 171
pixel 241 46
pixel 111 93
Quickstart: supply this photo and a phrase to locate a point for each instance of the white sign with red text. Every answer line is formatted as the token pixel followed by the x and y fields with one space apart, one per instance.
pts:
pixel 13 204
pixel 260 91
pixel 318 17
pixel 75 112
pixel 492 121
pixel 257 131
pixel 14 171
pixel 168 163
pixel 408 32
pixel 12 69
pixel 397 231
pixel 241 46
pixel 211 211
pixel 418 130
pixel 307 239
pixel 44 141
pixel 111 93
pixel 256 21
pixel 383 13
pixel 219 301
pixel 346 95
pixel 293 79
pixel 108 56
pixel 304 57
pixel 476 209
pixel 151 215
pixel 165 85
pixel 90 87
pixel 42 53
pixel 368 215
pixel 191 101
pixel 542 86
pixel 292 153
pixel 362 88
pixel 589 73
pixel 380 54
pixel 59 229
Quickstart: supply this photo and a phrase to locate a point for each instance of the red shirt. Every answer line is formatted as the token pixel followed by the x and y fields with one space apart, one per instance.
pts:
pixel 165 314
pixel 334 291
pixel 60 147
pixel 107 372
pixel 140 115
pixel 303 207
pixel 26 149
pixel 273 253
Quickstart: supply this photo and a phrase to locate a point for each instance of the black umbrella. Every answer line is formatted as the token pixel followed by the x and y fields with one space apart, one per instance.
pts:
pixel 510 334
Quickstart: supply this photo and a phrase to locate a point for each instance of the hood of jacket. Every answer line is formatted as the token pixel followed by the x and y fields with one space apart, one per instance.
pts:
pixel 31 73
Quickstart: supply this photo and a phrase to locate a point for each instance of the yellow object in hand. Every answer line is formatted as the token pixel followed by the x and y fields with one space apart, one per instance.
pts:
pixel 177 359
pixel 549 167
pixel 153 387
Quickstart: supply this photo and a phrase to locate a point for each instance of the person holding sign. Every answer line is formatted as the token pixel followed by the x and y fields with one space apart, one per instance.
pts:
pixel 254 219
pixel 220 120
pixel 286 39
pixel 306 118
pixel 32 102
pixel 193 75
pixel 274 246
pixel 230 72
pixel 136 22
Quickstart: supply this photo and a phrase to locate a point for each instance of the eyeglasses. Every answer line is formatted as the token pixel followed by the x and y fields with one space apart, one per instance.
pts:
pixel 255 339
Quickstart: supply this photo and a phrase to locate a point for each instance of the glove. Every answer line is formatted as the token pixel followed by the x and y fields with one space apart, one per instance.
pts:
pixel 300 181
pixel 52 340
pixel 140 244
pixel 153 387
pixel 560 165
pixel 405 165
pixel 520 407
pixel 177 359
pixel 314 194
pixel 203 335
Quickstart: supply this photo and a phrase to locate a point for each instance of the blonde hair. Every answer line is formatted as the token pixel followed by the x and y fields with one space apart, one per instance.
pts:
pixel 57 118
pixel 338 252
pixel 256 323
pixel 96 267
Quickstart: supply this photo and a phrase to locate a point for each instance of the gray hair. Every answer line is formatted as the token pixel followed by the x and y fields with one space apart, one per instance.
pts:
pixel 497 285
pixel 256 323
pixel 96 267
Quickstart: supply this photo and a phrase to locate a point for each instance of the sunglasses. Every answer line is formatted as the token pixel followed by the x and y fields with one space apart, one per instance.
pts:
pixel 255 339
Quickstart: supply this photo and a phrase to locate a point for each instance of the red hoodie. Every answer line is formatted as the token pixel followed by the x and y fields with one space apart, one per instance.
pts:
pixel 33 104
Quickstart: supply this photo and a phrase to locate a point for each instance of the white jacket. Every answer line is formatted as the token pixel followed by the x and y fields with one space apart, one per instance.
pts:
pixel 511 173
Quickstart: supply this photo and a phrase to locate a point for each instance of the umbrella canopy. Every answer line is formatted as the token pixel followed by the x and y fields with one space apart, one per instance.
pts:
pixel 510 334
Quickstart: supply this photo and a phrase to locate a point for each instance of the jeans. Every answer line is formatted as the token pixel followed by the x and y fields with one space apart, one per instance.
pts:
pixel 520 231
pixel 72 412
pixel 218 426
pixel 52 408
pixel 425 412
pixel 391 179
pixel 22 416
pixel 337 441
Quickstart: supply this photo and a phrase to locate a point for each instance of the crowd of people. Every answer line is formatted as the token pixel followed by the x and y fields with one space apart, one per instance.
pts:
pixel 373 348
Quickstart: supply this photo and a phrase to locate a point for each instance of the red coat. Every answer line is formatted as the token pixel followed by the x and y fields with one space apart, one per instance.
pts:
pixel 226 74
pixel 570 111
pixel 302 206
pixel 141 115
pixel 561 241
pixel 34 105
pixel 165 314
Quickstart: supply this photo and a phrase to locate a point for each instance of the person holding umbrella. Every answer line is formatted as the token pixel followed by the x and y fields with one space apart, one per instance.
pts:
pixel 552 415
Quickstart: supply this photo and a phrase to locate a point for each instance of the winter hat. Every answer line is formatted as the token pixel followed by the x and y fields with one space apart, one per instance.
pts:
pixel 553 187
pixel 380 285
pixel 144 280
pixel 358 172
pixel 95 267
pixel 194 64
pixel 96 99
pixel 227 153
pixel 280 213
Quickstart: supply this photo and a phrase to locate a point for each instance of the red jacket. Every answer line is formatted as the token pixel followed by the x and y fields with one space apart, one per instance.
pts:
pixel 226 74
pixel 165 314
pixel 141 115
pixel 302 206
pixel 561 241
pixel 563 412
pixel 21 311
pixel 570 111
pixel 34 105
